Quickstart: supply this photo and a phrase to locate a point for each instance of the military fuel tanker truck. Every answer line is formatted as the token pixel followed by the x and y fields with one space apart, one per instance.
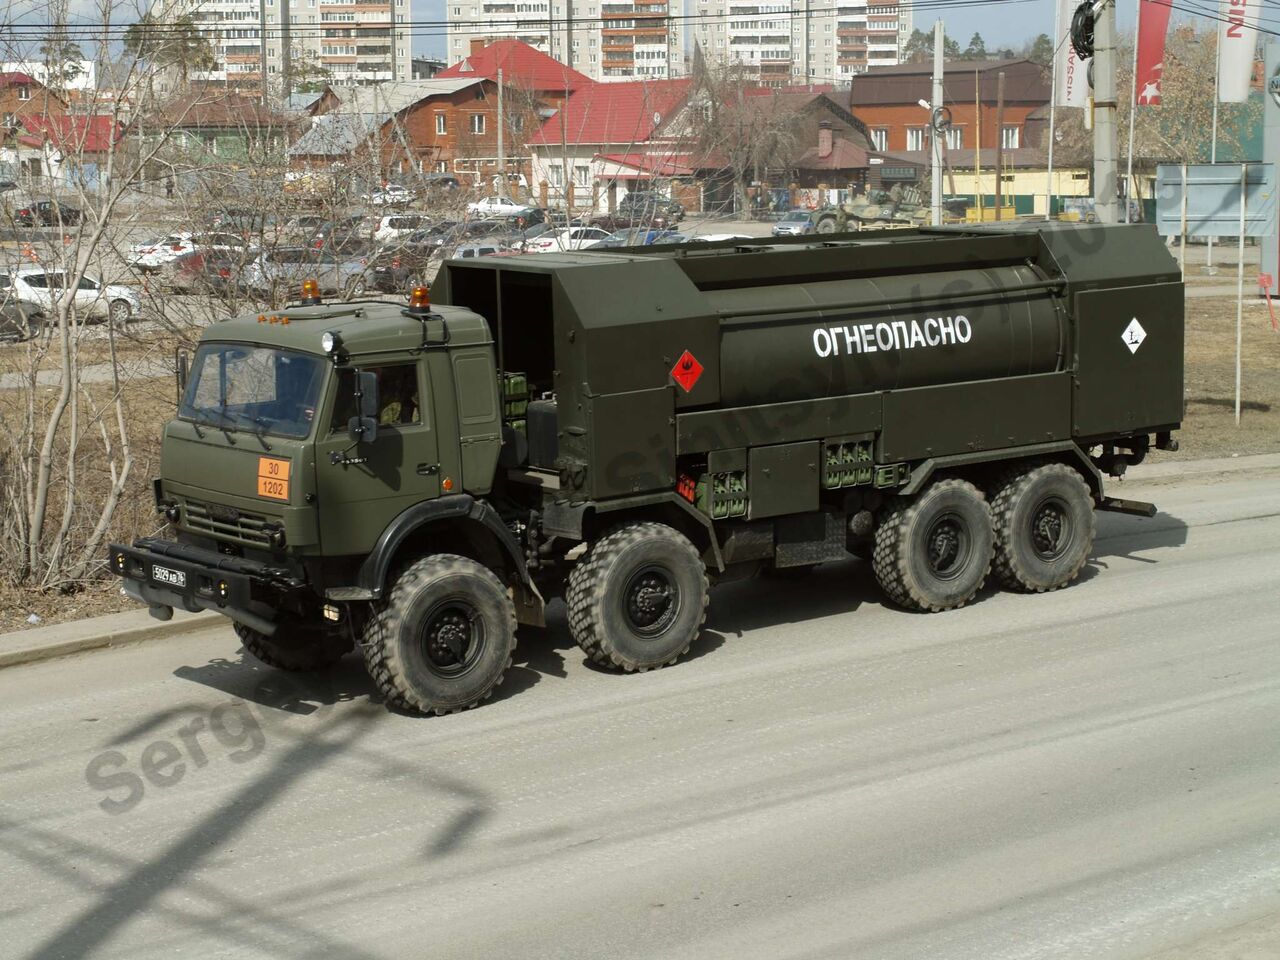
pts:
pixel 626 428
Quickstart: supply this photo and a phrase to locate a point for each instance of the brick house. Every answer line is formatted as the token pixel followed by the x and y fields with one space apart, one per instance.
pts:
pixel 448 124
pixel 21 95
pixel 887 100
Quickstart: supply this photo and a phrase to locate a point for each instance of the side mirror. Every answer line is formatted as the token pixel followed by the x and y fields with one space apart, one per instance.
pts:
pixel 363 428
pixel 183 365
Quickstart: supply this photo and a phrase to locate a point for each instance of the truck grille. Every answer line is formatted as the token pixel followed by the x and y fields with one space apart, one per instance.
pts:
pixel 228 523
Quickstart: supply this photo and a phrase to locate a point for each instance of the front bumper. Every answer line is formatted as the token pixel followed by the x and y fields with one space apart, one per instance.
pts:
pixel 164 574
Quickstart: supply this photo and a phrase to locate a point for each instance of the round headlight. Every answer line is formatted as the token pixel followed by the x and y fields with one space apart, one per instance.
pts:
pixel 328 341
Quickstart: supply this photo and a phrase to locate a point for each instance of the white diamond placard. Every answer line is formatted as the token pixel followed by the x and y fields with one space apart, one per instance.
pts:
pixel 1134 335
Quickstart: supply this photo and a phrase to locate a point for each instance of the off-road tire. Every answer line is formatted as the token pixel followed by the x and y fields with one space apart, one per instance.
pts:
pixel 397 644
pixel 825 225
pixel 295 648
pixel 1016 507
pixel 903 562
pixel 647 562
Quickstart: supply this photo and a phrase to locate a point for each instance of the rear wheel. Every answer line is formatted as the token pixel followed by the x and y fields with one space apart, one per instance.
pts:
pixel 638 599
pixel 295 647
pixel 1044 527
pixel 933 551
pixel 444 637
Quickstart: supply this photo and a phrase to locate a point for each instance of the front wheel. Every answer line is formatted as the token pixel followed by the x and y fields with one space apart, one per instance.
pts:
pixel 933 551
pixel 444 637
pixel 638 599
pixel 120 311
pixel 826 225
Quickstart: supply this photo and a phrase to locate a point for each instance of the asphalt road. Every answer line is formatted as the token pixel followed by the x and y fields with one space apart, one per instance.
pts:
pixel 1091 773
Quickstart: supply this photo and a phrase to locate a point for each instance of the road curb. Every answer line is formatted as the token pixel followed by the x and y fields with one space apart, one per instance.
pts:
pixel 78 636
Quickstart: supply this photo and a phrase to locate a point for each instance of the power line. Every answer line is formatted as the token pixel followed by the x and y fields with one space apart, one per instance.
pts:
pixel 98 31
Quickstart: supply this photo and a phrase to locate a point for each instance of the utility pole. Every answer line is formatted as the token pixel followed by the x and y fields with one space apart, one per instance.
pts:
pixel 262 46
pixel 502 155
pixel 977 147
pixel 286 79
pixel 935 117
pixel 999 143
pixel 1105 203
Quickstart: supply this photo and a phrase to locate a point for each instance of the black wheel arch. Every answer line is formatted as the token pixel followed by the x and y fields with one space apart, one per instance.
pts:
pixel 458 524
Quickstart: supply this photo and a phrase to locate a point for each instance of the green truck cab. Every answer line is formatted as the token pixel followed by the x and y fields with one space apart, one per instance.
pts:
pixel 625 428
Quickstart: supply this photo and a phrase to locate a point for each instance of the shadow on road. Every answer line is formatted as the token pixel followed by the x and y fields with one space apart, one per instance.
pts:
pixel 1123 536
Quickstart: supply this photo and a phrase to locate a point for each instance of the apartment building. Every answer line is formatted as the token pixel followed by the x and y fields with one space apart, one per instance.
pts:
pixel 604 39
pixel 802 41
pixel 351 41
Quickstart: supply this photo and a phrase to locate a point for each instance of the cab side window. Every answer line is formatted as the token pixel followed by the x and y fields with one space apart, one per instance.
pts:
pixel 398 402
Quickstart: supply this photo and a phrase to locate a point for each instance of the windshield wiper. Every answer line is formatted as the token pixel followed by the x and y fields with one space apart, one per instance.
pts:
pixel 227 418
pixel 260 433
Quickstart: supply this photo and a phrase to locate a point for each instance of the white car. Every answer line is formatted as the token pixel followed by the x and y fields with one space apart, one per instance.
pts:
pixel 496 207
pixel 567 238
pixel 397 227
pixel 391 195
pixel 154 254
pixel 42 286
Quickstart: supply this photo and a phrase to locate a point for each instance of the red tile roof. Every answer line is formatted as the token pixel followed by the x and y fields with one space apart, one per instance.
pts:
pixel 621 113
pixel 79 134
pixel 16 79
pixel 521 65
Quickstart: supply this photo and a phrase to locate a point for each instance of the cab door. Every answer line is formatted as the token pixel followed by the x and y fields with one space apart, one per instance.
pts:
pixel 362 487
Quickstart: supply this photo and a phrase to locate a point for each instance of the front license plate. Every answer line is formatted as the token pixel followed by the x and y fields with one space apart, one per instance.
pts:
pixel 174 578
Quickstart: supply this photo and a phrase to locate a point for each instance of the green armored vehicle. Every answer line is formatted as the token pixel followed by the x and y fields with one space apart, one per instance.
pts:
pixel 626 428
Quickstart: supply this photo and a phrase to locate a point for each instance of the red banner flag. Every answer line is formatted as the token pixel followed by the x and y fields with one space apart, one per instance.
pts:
pixel 1153 25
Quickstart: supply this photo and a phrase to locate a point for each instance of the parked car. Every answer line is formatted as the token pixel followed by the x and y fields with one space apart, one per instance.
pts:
pixel 797 223
pixel 19 319
pixel 396 270
pixel 470 250
pixel 302 227
pixel 391 195
pixel 570 238
pixel 440 181
pixel 394 227
pixel 496 206
pixel 205 270
pixel 278 274
pixel 649 205
pixel 43 286
pixel 342 227
pixel 639 237
pixel 47 213
pixel 151 255
pixel 520 239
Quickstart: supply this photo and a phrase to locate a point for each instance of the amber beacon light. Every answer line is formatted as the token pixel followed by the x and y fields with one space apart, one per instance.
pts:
pixel 310 292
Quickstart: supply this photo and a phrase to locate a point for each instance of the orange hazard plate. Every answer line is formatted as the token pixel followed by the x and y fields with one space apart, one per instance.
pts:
pixel 273 478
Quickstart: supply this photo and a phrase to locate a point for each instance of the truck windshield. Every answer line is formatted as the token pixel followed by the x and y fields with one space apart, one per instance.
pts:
pixel 260 389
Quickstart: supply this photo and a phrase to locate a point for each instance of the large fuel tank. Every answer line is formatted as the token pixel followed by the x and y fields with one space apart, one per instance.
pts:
pixel 798 341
